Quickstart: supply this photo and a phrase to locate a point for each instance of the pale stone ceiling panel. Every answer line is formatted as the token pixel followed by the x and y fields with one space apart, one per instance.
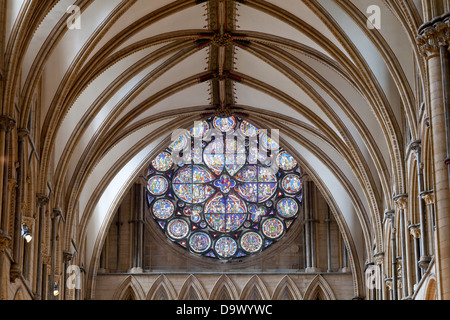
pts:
pixel 356 102
pixel 137 11
pixel 191 18
pixel 190 66
pixel 191 97
pixel 256 20
pixel 41 34
pixel 338 160
pixel 248 96
pixel 108 162
pixel 370 54
pixel 393 32
pixel 92 92
pixel 251 65
pixel 300 9
pixel 68 48
pixel 12 11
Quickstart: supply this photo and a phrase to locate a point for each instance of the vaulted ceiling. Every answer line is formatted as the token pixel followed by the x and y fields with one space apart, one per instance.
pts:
pixel 115 87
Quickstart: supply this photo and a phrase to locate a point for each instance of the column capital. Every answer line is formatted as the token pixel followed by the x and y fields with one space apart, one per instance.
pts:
pixel 428 196
pixel 389 214
pixel 401 201
pixel 22 133
pixel 4 242
pixel 434 35
pixel 416 146
pixel 42 199
pixel 57 212
pixel 7 123
pixel 379 258
pixel 388 282
pixel 414 230
pixel 67 256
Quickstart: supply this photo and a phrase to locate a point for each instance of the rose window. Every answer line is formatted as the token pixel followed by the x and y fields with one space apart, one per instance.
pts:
pixel 224 189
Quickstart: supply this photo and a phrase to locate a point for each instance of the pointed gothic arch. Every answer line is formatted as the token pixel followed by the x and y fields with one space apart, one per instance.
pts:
pixel 319 289
pixel 192 290
pixel 287 290
pixel 162 289
pixel 224 289
pixel 130 289
pixel 255 289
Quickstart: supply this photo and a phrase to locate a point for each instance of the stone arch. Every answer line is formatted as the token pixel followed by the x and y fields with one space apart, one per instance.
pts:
pixel 224 289
pixel 130 289
pixel 162 289
pixel 192 290
pixel 319 289
pixel 287 290
pixel 255 289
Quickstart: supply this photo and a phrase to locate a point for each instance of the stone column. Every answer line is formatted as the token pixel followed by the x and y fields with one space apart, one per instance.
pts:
pixel 42 201
pixel 67 257
pixel 379 261
pixel 56 214
pixel 6 126
pixel 390 215
pixel 415 232
pixel 306 222
pixel 401 202
pixel 328 222
pixel 345 267
pixel 433 39
pixel 9 124
pixel 424 254
pixel 16 270
pixel 428 197
pixel 4 243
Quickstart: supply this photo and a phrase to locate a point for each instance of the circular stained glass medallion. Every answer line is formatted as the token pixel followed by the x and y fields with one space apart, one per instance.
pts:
pixel 286 162
pixel 226 247
pixel 163 209
pixel 179 144
pixel 269 143
pixel 200 242
pixel 292 184
pixel 249 130
pixel 287 208
pixel 224 124
pixel 157 185
pixel 163 162
pixel 273 228
pixel 178 229
pixel 200 129
pixel 251 242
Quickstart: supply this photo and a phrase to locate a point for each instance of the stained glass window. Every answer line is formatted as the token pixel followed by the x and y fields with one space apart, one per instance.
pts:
pixel 224 189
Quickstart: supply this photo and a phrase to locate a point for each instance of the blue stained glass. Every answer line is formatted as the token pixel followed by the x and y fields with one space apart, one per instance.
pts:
pixel 286 162
pixel 200 242
pixel 249 130
pixel 157 185
pixel 225 124
pixel 226 191
pixel 292 184
pixel 226 247
pixel 287 208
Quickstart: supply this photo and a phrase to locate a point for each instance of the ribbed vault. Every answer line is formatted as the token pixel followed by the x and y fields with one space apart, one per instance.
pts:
pixel 114 90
